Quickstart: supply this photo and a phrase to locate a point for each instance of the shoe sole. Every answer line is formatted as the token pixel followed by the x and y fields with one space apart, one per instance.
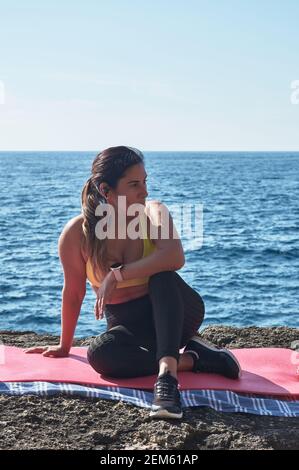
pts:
pixel 196 339
pixel 165 414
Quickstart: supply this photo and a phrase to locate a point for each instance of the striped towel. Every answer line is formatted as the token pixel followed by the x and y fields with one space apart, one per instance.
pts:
pixel 219 400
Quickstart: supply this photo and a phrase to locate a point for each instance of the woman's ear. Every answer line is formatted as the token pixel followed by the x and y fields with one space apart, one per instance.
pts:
pixel 104 189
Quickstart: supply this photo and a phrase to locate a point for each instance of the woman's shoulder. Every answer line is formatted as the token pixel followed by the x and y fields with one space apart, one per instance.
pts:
pixel 152 206
pixel 73 226
pixel 151 202
pixel 155 210
pixel 73 232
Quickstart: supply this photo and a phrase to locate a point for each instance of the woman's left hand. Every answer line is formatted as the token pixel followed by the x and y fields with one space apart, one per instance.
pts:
pixel 104 294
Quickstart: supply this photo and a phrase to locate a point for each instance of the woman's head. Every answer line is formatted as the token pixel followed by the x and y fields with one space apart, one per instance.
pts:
pixel 116 171
pixel 124 176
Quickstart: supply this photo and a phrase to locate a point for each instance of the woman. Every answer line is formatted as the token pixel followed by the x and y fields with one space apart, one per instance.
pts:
pixel 150 310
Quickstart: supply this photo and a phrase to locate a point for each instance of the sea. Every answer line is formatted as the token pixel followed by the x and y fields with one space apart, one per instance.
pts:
pixel 245 263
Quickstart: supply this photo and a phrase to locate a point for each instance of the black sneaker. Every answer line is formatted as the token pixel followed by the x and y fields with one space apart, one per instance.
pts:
pixel 212 359
pixel 167 401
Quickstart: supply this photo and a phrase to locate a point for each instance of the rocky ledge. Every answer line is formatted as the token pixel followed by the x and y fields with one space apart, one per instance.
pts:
pixel 30 422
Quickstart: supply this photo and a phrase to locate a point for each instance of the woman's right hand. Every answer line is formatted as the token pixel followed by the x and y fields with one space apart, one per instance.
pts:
pixel 48 351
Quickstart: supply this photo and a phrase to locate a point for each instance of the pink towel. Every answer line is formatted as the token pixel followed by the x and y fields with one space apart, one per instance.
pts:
pixel 267 371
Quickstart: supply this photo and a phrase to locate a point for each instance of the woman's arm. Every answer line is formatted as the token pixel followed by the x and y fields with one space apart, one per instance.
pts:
pixel 169 253
pixel 73 291
pixel 74 288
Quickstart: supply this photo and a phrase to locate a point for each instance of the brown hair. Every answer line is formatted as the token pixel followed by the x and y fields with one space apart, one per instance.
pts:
pixel 108 166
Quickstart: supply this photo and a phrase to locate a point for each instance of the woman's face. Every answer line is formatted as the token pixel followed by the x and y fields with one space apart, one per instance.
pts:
pixel 132 185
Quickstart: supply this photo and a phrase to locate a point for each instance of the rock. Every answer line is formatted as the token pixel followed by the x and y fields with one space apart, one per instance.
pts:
pixel 90 423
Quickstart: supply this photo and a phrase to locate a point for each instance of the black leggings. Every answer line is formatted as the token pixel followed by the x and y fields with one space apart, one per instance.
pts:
pixel 142 331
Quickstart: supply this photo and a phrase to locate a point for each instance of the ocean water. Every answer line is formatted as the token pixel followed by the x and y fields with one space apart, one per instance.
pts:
pixel 246 269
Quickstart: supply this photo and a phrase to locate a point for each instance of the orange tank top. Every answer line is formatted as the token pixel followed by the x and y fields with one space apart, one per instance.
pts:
pixel 148 248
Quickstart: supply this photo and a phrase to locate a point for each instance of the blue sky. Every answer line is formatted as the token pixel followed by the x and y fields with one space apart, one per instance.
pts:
pixel 159 75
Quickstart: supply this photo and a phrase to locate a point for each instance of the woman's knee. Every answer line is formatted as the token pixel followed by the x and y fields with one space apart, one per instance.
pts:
pixel 191 297
pixel 201 307
pixel 160 278
pixel 103 351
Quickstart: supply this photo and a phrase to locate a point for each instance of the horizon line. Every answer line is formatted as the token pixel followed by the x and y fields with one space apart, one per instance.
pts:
pixel 149 150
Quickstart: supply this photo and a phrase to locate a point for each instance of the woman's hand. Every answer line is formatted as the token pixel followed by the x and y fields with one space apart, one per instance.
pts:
pixel 104 294
pixel 48 351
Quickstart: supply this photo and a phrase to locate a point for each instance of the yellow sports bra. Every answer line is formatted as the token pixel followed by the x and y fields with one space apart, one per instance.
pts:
pixel 148 248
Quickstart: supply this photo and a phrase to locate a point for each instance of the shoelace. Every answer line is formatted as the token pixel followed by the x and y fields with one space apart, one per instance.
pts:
pixel 165 389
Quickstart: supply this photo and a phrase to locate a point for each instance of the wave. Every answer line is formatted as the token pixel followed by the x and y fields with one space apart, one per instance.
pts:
pixel 234 251
pixel 292 252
